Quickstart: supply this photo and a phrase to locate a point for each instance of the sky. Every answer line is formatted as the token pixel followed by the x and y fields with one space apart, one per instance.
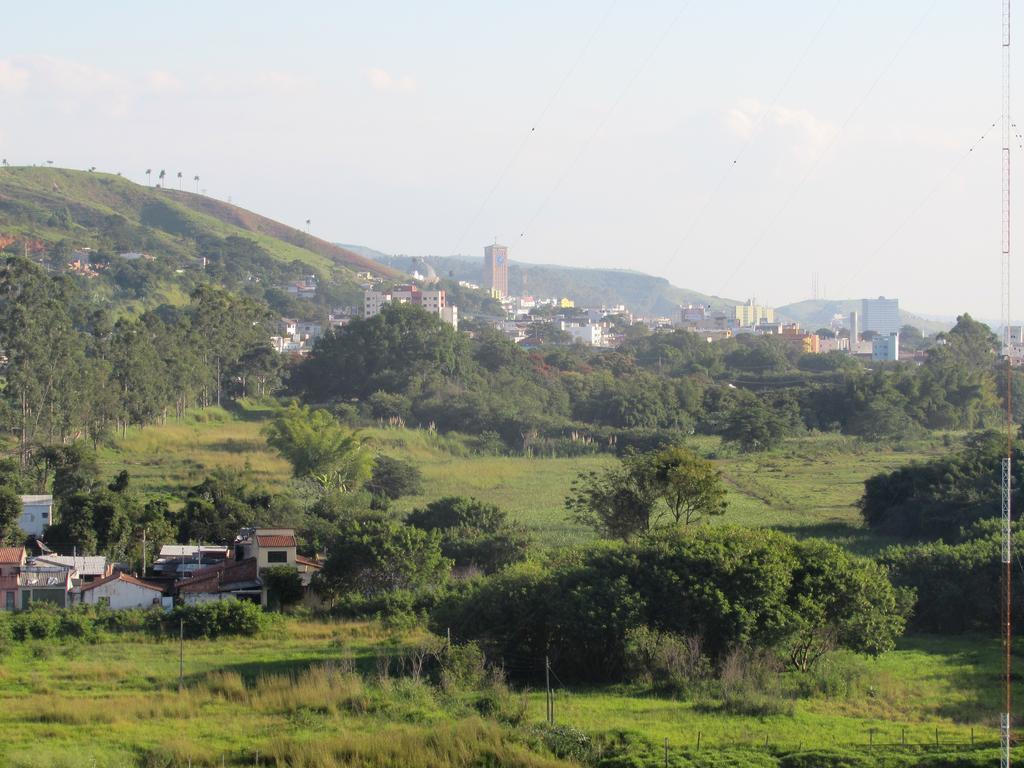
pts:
pixel 735 147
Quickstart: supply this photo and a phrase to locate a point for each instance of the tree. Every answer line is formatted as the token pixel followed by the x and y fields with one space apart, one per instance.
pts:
pixel 752 425
pixel 318 446
pixel 218 507
pixel 374 557
pixel 284 586
pixel 393 478
pixel 473 533
pixel 179 181
pixel 161 176
pixel 10 512
pixel 690 486
pixel 149 176
pixel 385 352
pixel 618 502
pixel 196 180
pixel 839 600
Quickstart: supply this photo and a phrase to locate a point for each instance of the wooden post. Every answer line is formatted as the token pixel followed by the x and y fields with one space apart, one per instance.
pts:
pixel 698 741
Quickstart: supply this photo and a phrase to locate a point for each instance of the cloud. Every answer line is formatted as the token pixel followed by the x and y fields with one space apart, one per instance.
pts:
pixel 161 81
pixel 382 80
pixel 805 132
pixel 13 78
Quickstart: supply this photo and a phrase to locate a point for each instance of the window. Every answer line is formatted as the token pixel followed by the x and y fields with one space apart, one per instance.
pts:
pixel 9 601
pixel 277 556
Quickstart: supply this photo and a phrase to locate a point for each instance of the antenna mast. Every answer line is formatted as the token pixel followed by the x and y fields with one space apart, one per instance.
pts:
pixel 1007 468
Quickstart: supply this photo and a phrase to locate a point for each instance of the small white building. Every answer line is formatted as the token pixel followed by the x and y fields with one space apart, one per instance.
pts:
pixel 36 514
pixel 590 335
pixel 121 591
pixel 885 347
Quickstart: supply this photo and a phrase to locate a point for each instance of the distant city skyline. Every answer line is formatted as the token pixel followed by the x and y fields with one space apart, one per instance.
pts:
pixel 733 148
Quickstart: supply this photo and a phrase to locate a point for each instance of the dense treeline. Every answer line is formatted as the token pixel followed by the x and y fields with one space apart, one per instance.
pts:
pixel 723 588
pixel 408 366
pixel 940 498
pixel 74 371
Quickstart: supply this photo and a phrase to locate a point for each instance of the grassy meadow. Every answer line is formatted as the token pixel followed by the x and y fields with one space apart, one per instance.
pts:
pixel 808 486
pixel 311 694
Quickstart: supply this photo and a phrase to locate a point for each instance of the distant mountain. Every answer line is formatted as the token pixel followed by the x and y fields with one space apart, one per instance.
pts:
pixel 818 313
pixel 639 292
pixel 49 213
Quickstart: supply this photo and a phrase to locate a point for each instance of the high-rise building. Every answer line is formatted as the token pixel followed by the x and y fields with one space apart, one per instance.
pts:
pixel 881 315
pixel 752 313
pixel 496 270
pixel 854 329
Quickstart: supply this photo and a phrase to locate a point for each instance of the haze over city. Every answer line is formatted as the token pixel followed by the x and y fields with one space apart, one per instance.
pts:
pixel 587 134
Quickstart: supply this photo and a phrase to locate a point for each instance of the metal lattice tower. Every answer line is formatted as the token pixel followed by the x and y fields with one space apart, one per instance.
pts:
pixel 1005 720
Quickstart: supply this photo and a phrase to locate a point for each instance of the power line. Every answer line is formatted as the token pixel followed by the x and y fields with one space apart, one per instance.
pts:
pixel 920 205
pixel 533 128
pixel 832 141
pixel 604 120
pixel 713 194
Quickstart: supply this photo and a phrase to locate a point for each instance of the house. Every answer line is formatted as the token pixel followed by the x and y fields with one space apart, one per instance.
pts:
pixel 179 561
pixel 226 580
pixel 268 546
pixel 85 569
pixel 44 584
pixel 121 590
pixel 11 560
pixel 240 577
pixel 36 514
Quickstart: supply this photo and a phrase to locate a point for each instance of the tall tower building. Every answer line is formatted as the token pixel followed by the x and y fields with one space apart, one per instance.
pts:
pixel 880 315
pixel 496 269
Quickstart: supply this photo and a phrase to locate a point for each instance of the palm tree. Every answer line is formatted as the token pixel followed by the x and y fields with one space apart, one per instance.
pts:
pixel 307 226
pixel 161 176
pixel 179 181
pixel 92 168
pixel 196 180
pixel 49 162
pixel 5 162
pixel 149 176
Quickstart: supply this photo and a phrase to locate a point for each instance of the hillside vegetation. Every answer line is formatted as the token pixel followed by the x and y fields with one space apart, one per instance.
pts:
pixel 49 213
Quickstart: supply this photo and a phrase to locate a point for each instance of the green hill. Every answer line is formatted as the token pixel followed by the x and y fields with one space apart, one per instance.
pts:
pixel 818 313
pixel 49 213
pixel 641 293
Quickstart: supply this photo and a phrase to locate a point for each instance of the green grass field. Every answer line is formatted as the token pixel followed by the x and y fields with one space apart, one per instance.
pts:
pixel 809 486
pixel 116 703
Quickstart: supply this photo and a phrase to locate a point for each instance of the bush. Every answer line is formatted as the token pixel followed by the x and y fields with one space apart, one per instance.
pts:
pixel 39 622
pixel 219 619
pixel 666 661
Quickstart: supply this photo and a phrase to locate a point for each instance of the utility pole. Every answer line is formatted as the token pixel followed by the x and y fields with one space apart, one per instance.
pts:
pixel 181 655
pixel 547 687
pixel 143 553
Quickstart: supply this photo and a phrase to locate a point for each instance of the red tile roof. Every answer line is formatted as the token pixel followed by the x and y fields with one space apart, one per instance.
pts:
pixel 123 577
pixel 12 555
pixel 308 561
pixel 275 541
pixel 221 575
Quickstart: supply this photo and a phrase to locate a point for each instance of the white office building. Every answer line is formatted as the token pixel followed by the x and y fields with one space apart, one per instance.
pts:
pixel 880 315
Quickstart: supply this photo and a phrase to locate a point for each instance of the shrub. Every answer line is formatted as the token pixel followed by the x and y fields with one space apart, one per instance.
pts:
pixel 665 660
pixel 211 620
pixel 39 622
